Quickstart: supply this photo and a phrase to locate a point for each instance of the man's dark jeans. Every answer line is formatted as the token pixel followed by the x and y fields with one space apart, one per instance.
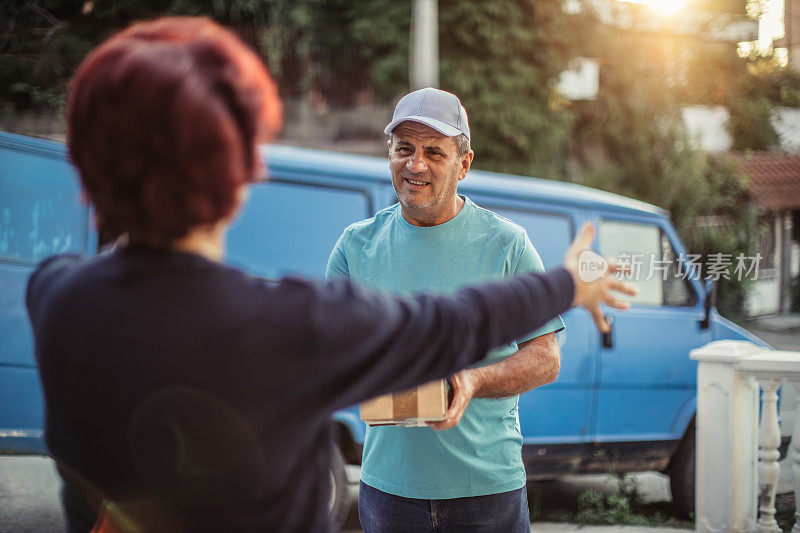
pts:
pixel 380 512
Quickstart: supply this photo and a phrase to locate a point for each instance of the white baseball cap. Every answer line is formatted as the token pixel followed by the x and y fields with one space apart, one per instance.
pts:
pixel 438 109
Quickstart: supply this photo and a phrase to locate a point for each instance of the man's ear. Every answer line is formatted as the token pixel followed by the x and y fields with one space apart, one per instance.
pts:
pixel 466 163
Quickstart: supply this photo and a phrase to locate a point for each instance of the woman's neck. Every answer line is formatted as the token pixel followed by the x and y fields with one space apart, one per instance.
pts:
pixel 207 241
pixel 209 244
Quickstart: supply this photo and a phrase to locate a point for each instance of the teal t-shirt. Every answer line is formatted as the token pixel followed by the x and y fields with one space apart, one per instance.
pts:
pixel 482 455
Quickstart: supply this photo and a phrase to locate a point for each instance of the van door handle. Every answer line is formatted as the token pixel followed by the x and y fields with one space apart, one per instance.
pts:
pixel 608 338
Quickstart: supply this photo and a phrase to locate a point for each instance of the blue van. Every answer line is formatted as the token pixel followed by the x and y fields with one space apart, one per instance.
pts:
pixel 624 401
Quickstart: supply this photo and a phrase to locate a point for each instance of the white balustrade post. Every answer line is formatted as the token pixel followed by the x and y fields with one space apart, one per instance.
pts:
pixel 770 368
pixel 768 454
pixel 727 414
pixel 796 461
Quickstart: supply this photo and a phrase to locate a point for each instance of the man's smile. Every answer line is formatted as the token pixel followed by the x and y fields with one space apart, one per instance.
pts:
pixel 416 183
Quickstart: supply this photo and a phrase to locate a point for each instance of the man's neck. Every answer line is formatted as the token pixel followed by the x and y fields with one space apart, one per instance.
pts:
pixel 428 217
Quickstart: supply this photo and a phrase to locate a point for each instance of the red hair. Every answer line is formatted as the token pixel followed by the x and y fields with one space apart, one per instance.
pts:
pixel 163 122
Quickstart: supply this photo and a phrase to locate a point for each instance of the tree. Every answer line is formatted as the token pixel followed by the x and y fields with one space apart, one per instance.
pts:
pixel 502 59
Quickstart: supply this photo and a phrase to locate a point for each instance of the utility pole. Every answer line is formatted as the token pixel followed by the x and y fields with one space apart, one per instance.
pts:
pixel 424 60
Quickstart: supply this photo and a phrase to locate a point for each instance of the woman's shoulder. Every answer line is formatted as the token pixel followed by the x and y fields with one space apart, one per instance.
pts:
pixel 48 274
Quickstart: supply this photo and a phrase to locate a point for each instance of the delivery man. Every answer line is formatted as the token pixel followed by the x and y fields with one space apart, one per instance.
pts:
pixel 465 471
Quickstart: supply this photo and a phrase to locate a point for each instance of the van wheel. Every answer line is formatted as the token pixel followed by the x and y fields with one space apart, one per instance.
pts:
pixel 339 503
pixel 681 475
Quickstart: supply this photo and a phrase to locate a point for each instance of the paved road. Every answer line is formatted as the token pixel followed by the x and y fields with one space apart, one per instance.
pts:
pixel 29 489
pixel 780 340
pixel 29 495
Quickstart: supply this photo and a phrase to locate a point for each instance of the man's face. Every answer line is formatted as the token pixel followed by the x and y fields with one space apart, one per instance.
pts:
pixel 425 167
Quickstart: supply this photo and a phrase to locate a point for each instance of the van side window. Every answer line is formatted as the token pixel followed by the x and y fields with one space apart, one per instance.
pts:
pixel 550 233
pixel 655 268
pixel 290 228
pixel 40 214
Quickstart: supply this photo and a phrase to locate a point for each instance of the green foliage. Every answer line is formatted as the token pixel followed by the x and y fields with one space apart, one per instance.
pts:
pixel 44 40
pixel 496 57
pixel 51 97
pixel 750 88
pixel 364 49
pixel 343 51
pixel 750 124
pixel 503 59
pixel 735 238
pixel 622 507
pixel 780 85
pixel 630 141
pixel 37 54
pixel 594 508
pixel 759 86
pixel 742 229
pixel 339 51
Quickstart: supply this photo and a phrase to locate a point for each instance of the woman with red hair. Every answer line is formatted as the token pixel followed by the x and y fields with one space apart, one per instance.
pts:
pixel 184 395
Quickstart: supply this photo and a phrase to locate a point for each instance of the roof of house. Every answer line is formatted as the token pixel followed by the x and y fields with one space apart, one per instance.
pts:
pixel 774 179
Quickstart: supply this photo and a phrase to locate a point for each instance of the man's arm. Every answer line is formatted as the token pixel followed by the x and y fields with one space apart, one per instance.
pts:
pixel 536 363
pixel 337 262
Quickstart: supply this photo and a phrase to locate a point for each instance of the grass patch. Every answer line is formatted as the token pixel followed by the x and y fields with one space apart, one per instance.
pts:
pixel 784 507
pixel 620 506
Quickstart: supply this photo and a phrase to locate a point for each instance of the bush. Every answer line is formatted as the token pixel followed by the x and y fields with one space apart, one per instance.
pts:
pixel 622 507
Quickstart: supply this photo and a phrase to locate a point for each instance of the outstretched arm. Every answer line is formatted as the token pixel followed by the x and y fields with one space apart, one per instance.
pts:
pixel 363 343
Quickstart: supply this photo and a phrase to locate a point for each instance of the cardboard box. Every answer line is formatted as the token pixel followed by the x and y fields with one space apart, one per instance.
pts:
pixel 411 408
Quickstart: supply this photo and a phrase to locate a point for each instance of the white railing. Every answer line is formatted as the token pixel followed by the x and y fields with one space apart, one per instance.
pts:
pixel 737 455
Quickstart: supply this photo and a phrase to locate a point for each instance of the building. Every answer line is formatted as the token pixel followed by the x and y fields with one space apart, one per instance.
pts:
pixel 774 185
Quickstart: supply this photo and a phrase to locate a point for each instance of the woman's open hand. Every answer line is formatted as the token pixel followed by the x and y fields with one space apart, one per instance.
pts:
pixel 593 284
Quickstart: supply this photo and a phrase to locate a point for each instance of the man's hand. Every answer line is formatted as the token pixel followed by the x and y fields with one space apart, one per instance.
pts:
pixel 464 385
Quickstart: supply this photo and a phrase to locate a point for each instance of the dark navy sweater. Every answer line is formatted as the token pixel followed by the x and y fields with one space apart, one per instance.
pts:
pixel 176 379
